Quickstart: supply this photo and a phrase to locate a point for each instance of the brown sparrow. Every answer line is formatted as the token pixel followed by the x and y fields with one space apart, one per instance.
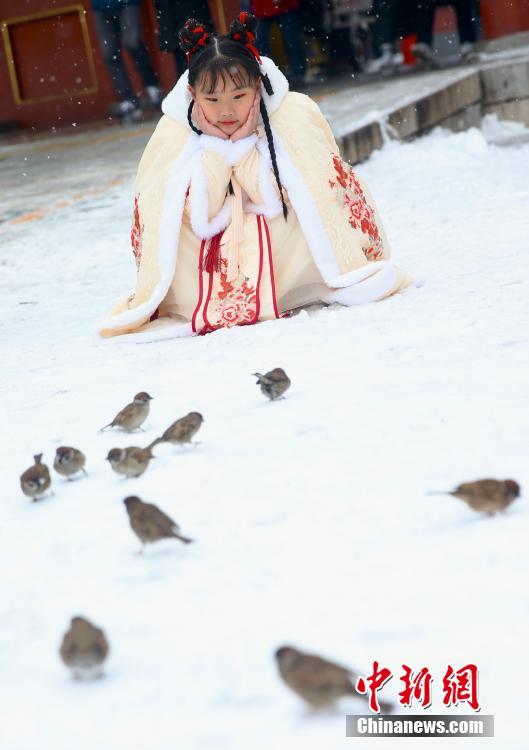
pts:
pixel 84 648
pixel 35 480
pixel 274 383
pixel 487 495
pixel 68 461
pixel 150 524
pixel 182 431
pixel 132 416
pixel 318 681
pixel 131 461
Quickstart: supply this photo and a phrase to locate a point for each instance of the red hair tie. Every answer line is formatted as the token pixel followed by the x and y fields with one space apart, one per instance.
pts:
pixel 202 41
pixel 250 37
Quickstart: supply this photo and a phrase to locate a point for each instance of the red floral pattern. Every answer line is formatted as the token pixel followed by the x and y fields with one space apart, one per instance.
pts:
pixel 236 303
pixel 136 232
pixel 361 214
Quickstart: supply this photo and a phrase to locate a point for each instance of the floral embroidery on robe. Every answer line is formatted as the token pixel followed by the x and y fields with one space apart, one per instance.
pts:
pixel 361 214
pixel 235 303
pixel 136 232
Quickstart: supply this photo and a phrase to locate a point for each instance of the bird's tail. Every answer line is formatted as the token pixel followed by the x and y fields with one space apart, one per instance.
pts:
pixel 386 707
pixel 154 442
pixel 184 539
pixel 261 378
pixel 110 424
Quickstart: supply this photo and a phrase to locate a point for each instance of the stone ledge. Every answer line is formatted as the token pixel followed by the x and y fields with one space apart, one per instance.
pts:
pixel 501 83
pixel 359 144
pixel 502 88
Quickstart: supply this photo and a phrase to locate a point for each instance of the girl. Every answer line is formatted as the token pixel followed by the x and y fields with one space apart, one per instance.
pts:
pixel 244 209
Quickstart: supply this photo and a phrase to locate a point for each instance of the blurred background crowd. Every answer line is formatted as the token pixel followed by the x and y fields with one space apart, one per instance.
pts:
pixel 311 39
pixel 121 56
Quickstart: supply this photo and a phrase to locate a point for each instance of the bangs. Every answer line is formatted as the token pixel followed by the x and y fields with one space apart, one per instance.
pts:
pixel 222 71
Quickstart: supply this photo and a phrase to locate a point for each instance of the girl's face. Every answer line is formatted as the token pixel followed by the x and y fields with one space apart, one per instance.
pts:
pixel 228 105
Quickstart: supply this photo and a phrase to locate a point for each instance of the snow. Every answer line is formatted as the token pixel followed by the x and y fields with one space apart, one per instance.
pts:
pixel 354 107
pixel 311 518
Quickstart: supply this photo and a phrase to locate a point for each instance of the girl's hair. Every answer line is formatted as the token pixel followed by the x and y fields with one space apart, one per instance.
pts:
pixel 212 58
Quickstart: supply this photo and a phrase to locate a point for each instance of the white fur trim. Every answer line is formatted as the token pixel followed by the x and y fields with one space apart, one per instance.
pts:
pixel 202 226
pixel 271 205
pixel 366 284
pixel 307 213
pixel 159 330
pixel 176 103
pixel 231 152
pixel 170 223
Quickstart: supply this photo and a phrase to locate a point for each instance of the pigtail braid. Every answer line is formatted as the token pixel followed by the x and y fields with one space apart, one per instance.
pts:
pixel 190 119
pixel 272 149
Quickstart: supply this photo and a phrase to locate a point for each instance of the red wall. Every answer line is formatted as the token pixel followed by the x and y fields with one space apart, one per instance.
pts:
pixel 61 79
pixel 501 17
pixel 71 83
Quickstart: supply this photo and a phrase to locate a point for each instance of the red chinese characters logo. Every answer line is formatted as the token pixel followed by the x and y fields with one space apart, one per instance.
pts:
pixel 372 684
pixel 461 686
pixel 458 686
pixel 416 687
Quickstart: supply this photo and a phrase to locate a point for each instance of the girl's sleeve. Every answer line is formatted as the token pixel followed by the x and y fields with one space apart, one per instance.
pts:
pixel 209 185
pixel 255 175
pixel 206 207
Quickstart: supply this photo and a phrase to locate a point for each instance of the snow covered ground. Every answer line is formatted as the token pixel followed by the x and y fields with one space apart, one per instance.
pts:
pixel 311 518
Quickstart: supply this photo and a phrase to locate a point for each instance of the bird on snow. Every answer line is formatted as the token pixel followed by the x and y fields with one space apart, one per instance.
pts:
pixel 84 649
pixel 131 462
pixel 35 480
pixel 182 431
pixel 488 496
pixel 274 383
pixel 133 415
pixel 68 461
pixel 150 524
pixel 317 681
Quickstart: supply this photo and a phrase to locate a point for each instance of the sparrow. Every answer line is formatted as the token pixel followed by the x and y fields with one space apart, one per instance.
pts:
pixel 84 648
pixel 488 496
pixel 68 461
pixel 318 681
pixel 133 415
pixel 35 480
pixel 274 383
pixel 182 431
pixel 150 524
pixel 131 461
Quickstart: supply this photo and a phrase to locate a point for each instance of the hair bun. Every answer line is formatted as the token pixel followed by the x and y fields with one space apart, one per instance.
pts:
pixel 193 37
pixel 242 29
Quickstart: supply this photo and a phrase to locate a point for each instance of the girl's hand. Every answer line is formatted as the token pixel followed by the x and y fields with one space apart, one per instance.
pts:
pixel 204 124
pixel 250 125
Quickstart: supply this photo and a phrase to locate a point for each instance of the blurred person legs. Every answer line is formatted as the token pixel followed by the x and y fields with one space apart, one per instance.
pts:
pixel 288 22
pixel 388 14
pixel 118 29
pixel 466 22
pixel 171 16
pixel 132 41
pixel 340 37
pixel 314 33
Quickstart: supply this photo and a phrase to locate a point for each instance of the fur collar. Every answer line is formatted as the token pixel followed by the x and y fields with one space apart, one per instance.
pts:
pixel 176 103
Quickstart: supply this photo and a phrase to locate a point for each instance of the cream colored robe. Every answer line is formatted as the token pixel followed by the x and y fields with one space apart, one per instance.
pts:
pixel 332 248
